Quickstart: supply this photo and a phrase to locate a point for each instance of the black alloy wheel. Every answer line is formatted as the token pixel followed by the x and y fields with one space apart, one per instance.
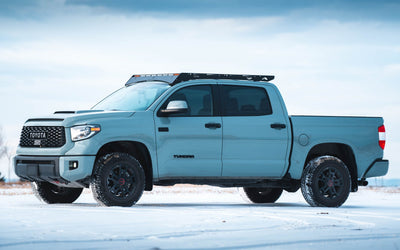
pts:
pixel 330 183
pixel 326 182
pixel 121 181
pixel 118 180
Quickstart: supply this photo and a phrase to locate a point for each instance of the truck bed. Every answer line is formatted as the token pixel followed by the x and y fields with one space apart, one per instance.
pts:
pixel 360 133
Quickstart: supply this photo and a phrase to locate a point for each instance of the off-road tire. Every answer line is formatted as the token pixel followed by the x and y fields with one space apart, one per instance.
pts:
pixel 51 193
pixel 263 195
pixel 325 182
pixel 118 180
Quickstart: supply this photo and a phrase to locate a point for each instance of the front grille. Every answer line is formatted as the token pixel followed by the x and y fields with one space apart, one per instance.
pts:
pixel 42 136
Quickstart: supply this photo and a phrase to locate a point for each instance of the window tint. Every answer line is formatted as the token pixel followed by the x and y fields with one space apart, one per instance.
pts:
pixel 245 101
pixel 198 98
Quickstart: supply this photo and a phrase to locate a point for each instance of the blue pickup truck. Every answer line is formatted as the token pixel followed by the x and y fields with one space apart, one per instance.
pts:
pixel 214 129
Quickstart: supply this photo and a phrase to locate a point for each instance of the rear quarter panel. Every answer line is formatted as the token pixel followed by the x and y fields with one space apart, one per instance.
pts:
pixel 360 133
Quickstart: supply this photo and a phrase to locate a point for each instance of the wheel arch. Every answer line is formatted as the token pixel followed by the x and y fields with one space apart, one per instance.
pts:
pixel 342 151
pixel 137 150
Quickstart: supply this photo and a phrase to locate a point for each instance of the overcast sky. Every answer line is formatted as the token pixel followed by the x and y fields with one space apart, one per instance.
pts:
pixel 329 57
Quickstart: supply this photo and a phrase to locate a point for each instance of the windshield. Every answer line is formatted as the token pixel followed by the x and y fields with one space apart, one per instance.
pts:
pixel 137 97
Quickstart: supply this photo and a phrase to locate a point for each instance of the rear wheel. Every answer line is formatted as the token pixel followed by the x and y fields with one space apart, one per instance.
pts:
pixel 326 182
pixel 263 195
pixel 51 193
pixel 118 180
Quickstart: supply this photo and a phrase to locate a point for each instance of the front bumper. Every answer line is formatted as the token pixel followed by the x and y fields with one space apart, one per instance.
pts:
pixel 54 169
pixel 34 168
pixel 377 168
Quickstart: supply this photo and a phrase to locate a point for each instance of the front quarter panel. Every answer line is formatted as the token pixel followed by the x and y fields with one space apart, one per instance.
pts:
pixel 137 128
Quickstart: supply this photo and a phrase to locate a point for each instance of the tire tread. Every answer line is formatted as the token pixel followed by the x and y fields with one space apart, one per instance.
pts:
pixel 255 197
pixel 308 176
pixel 42 190
pixel 96 185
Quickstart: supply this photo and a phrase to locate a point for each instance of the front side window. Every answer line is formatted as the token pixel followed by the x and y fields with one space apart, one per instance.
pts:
pixel 244 101
pixel 137 97
pixel 198 99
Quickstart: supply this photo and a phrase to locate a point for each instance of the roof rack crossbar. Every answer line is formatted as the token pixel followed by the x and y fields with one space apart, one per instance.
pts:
pixel 173 79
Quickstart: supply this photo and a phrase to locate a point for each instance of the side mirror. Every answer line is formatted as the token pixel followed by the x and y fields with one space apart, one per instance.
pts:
pixel 174 107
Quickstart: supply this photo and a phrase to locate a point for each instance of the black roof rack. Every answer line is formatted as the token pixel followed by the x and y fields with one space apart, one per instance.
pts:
pixel 173 79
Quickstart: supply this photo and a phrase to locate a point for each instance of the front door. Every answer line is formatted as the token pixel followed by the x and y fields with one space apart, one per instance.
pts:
pixel 189 144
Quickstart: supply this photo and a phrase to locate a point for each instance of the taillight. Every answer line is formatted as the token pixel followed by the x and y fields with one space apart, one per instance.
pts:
pixel 382 136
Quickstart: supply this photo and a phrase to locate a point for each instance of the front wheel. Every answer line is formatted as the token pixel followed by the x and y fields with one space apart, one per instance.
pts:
pixel 51 193
pixel 263 195
pixel 325 182
pixel 118 180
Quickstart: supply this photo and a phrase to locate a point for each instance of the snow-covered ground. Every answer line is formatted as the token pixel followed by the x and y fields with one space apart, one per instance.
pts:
pixel 201 217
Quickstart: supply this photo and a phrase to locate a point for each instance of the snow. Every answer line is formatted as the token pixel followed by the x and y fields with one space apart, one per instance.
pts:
pixel 201 217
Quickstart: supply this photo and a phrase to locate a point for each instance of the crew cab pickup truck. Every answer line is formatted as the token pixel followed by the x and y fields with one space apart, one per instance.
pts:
pixel 214 129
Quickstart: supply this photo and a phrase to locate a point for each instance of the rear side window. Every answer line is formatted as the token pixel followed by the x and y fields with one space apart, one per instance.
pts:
pixel 244 101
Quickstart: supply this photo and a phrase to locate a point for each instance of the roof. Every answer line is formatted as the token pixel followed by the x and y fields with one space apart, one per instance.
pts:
pixel 174 78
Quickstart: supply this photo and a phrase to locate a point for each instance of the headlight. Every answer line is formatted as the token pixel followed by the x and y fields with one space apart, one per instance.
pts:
pixel 84 132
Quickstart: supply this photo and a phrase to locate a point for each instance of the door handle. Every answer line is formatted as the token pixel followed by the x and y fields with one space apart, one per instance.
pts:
pixel 213 125
pixel 278 126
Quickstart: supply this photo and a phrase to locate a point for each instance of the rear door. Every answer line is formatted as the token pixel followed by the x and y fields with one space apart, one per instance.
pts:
pixel 255 132
pixel 190 144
